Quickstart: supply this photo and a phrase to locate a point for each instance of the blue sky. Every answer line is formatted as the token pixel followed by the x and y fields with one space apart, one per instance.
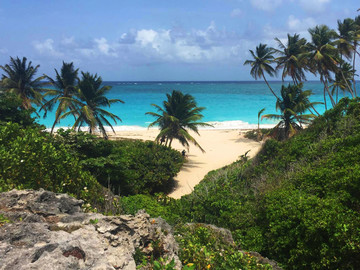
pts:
pixel 156 40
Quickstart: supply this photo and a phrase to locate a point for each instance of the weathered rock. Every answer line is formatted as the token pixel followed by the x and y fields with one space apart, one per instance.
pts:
pixel 50 231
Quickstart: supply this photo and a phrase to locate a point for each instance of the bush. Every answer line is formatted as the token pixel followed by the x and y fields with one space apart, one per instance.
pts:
pixel 297 201
pixel 11 111
pixel 127 167
pixel 29 159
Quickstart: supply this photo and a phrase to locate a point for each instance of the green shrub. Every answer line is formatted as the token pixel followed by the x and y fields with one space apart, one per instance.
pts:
pixel 297 201
pixel 128 166
pixel 30 159
pixel 206 248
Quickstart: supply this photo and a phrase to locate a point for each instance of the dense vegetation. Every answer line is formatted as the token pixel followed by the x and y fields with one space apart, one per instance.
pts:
pixel 125 166
pixel 297 202
pixel 78 163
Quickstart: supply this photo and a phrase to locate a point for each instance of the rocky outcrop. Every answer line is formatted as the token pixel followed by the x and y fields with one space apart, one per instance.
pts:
pixel 50 231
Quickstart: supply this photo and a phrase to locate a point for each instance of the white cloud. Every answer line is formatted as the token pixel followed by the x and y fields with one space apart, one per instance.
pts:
pixel 105 48
pixel 47 48
pixel 4 50
pixel 152 46
pixel 300 25
pixel 195 46
pixel 314 6
pixel 266 5
pixel 236 13
pixel 68 41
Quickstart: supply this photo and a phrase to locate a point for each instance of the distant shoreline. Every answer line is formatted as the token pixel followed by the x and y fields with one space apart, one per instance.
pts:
pixel 225 125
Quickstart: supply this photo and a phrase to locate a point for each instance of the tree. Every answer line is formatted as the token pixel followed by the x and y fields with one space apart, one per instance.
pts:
pixel 322 57
pixel 343 78
pixel 293 104
pixel 87 103
pixel 19 79
pixel 179 114
pixel 259 114
pixel 11 110
pixel 290 59
pixel 263 58
pixel 65 84
pixel 355 44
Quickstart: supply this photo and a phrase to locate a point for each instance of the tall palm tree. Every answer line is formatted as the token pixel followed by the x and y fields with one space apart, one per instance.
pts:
pixel 261 64
pixel 343 78
pixel 345 38
pixel 65 86
pixel 322 56
pixel 355 46
pixel 344 42
pixel 293 104
pixel 290 58
pixel 19 78
pixel 179 114
pixel 88 102
pixel 258 131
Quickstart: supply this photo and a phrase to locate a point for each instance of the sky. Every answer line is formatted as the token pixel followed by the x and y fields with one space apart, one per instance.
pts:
pixel 158 40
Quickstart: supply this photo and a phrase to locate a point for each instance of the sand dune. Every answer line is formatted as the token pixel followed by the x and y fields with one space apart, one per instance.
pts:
pixel 222 148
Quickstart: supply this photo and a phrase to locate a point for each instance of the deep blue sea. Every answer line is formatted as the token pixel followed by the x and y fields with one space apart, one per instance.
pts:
pixel 228 104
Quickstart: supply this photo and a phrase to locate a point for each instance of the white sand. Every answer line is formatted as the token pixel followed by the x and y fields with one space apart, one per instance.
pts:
pixel 222 148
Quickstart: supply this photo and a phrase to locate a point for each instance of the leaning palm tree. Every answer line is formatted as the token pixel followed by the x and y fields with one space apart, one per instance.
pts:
pixel 179 114
pixel 19 79
pixel 355 46
pixel 343 80
pixel 322 56
pixel 88 102
pixel 293 104
pixel 65 86
pixel 258 130
pixel 261 64
pixel 290 60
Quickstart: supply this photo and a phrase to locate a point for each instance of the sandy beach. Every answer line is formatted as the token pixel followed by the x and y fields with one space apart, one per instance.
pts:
pixel 222 148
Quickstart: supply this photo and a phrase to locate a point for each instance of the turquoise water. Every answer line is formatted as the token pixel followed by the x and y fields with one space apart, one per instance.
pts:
pixel 227 103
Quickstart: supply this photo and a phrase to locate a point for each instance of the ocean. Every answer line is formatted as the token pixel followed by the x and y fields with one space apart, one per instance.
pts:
pixel 228 104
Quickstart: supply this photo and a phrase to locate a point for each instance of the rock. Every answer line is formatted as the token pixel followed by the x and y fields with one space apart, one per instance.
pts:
pixel 50 231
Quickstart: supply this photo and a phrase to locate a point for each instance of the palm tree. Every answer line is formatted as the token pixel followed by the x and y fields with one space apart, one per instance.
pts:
pixel 263 58
pixel 290 58
pixel 343 78
pixel 345 37
pixel 65 86
pixel 322 57
pixel 259 114
pixel 179 114
pixel 19 79
pixel 355 44
pixel 87 103
pixel 294 103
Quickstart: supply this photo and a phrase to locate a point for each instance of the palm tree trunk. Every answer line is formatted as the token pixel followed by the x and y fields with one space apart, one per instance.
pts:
pixel 354 82
pixel 347 84
pixel 170 142
pixel 328 91
pixel 270 87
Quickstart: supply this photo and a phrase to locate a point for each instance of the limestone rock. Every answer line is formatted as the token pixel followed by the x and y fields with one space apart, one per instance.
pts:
pixel 50 231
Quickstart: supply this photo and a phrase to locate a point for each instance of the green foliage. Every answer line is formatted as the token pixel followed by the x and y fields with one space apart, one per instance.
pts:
pixel 30 159
pixel 254 134
pixel 155 206
pixel 179 114
pixel 3 220
pixel 205 248
pixel 296 202
pixel 126 167
pixel 11 110
pixel 19 79
pixel 87 104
